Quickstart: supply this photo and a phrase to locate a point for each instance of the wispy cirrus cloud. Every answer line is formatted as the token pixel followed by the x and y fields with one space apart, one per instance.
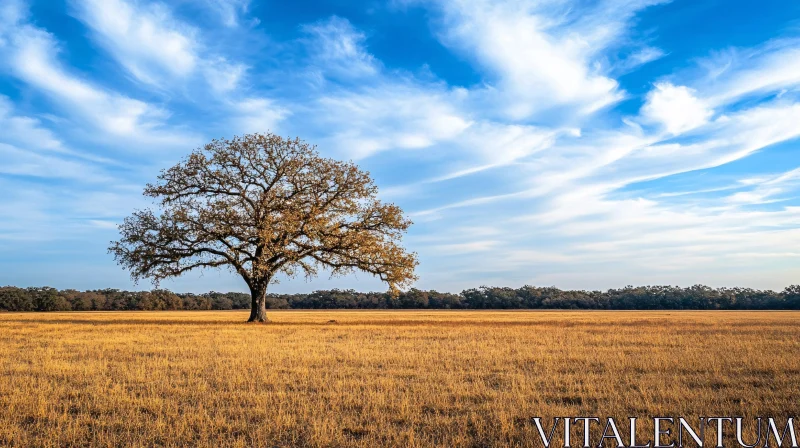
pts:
pixel 541 56
pixel 337 50
pixel 736 73
pixel 31 56
pixel 154 46
pixel 230 12
pixel 390 116
pixel 23 162
pixel 578 199
pixel 257 115
pixel 147 40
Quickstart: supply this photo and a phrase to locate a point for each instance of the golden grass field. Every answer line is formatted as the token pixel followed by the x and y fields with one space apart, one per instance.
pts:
pixel 379 378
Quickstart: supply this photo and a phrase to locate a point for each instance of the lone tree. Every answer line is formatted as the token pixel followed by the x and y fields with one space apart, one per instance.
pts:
pixel 262 205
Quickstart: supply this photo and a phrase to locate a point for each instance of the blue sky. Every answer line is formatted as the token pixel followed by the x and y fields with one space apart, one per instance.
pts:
pixel 575 143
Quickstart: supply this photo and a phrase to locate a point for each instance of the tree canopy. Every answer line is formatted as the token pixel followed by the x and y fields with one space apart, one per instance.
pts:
pixel 262 205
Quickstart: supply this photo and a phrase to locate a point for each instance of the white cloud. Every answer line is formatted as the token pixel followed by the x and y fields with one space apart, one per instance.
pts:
pixel 739 73
pixel 542 55
pixel 391 116
pixel 463 248
pixel 257 115
pixel 12 12
pixel 20 128
pixel 21 162
pixel 636 59
pixel 676 108
pixel 337 49
pixel 23 131
pixel 158 49
pixel 578 216
pixel 767 190
pixel 621 160
pixel 224 76
pixel 535 69
pixel 32 58
pixel 37 211
pixel 229 10
pixel 489 145
pixel 144 39
pixel 101 224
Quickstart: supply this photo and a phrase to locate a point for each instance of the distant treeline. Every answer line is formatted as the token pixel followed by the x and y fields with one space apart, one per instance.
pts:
pixel 528 297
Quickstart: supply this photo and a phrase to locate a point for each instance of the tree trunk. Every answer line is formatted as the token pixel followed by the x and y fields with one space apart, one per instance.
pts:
pixel 258 305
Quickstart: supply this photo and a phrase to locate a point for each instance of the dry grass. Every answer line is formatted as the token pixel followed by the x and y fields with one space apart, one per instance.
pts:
pixel 379 378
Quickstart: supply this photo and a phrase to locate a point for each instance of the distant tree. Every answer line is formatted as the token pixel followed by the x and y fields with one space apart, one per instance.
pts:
pixel 220 301
pixel 48 299
pixel 239 300
pixel 277 302
pixel 527 297
pixel 78 301
pixel 414 298
pixel 444 300
pixel 15 299
pixel 791 297
pixel 97 299
pixel 262 205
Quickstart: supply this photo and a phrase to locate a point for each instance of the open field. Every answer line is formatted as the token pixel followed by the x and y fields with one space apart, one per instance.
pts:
pixel 390 378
